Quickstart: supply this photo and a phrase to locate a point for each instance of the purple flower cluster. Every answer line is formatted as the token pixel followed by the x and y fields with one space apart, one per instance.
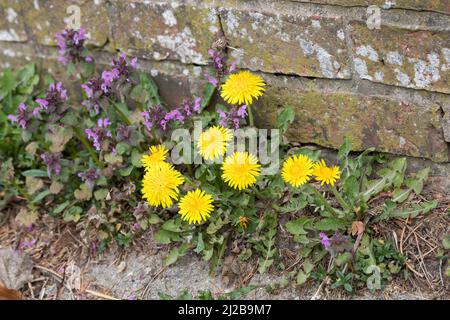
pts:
pixel 101 86
pixel 21 117
pixel 121 68
pixel 71 46
pixel 157 117
pixel 126 134
pixel 220 67
pixel 89 176
pixel 95 90
pixel 99 133
pixel 324 240
pixel 233 117
pixel 153 116
pixel 337 243
pixel 120 72
pixel 55 96
pixel 51 160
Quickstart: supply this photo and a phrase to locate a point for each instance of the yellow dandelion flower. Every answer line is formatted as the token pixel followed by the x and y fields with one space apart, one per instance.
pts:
pixel 157 155
pixel 297 170
pixel 243 222
pixel 241 88
pixel 213 142
pixel 240 170
pixel 196 206
pixel 160 185
pixel 324 174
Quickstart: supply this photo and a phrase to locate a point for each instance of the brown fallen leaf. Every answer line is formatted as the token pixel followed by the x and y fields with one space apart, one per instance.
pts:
pixel 9 294
pixel 357 228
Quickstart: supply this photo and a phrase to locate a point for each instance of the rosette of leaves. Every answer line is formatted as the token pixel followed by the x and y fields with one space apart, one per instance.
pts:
pixel 364 178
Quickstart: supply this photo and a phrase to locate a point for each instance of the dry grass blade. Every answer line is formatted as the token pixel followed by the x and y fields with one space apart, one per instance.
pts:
pixel 100 295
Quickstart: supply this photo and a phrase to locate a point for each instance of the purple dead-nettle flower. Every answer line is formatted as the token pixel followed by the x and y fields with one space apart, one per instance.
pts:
pixel 325 241
pixel 153 116
pixel 94 137
pixel 71 46
pixel 99 133
pixel 223 119
pixel 89 176
pixel 336 243
pixel 52 161
pixel 212 80
pixel 136 226
pixel 95 89
pixel 21 117
pixel 104 123
pixel 232 67
pixel 55 97
pixel 189 108
pixel 180 114
pixel 163 124
pixel 157 118
pixel 108 77
pixel 233 117
pixel 88 90
pixel 133 63
pixel 174 115
pixel 219 63
pixel 121 68
pixel 126 134
pixel 197 107
pixel 242 111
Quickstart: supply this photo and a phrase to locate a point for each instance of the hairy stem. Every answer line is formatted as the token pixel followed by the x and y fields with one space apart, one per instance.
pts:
pixel 339 198
pixel 250 117
pixel 190 170
pixel 120 113
pixel 323 200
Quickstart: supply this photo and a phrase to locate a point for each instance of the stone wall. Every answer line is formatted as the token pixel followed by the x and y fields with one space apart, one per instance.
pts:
pixel 387 87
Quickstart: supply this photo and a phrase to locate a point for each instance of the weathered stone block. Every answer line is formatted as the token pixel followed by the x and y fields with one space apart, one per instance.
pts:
pixel 413 59
pixel 325 118
pixel 162 31
pixel 286 44
pixel 15 55
pixel 12 27
pixel 446 126
pixel 432 5
pixel 45 18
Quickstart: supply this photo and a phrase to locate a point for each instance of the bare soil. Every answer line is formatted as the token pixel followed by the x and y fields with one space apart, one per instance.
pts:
pixel 65 267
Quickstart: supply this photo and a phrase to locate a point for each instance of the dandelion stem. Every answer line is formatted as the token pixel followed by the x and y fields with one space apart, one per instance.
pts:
pixel 250 116
pixel 340 199
pixel 188 180
pixel 191 171
pixel 322 199
pixel 88 146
